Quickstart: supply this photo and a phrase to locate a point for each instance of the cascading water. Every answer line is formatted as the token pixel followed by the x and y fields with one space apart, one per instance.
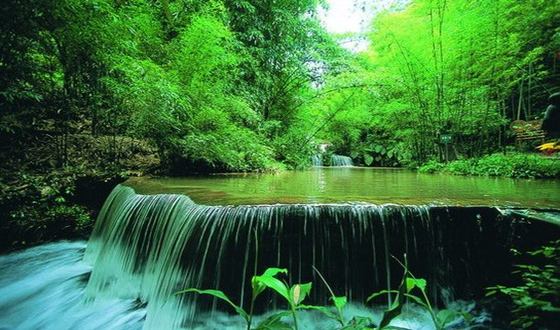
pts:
pixel 338 160
pixel 146 248
pixel 317 160
pixel 43 288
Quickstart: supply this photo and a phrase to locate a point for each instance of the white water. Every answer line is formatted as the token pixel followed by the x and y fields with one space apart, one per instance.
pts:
pixel 146 248
pixel 43 288
pixel 149 247
pixel 338 160
pixel 317 160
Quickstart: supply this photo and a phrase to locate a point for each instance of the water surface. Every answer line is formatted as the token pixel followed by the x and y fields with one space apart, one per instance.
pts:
pixel 341 185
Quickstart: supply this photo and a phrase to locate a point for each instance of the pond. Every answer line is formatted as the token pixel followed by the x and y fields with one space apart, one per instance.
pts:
pixel 355 184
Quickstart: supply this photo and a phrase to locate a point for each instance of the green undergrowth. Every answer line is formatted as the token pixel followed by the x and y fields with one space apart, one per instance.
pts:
pixel 411 289
pixel 513 165
pixel 49 192
pixel 37 208
pixel 41 207
pixel 535 300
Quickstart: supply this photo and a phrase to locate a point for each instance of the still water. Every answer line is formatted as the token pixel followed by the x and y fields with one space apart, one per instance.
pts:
pixel 340 185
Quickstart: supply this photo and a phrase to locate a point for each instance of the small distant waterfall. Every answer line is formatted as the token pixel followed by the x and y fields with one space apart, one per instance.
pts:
pixel 317 160
pixel 148 247
pixel 338 160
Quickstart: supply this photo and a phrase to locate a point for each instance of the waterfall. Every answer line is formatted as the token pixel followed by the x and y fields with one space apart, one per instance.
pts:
pixel 317 160
pixel 148 247
pixel 338 160
pixel 42 288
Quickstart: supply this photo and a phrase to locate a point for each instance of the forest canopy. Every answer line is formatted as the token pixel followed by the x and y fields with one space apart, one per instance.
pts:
pixel 245 85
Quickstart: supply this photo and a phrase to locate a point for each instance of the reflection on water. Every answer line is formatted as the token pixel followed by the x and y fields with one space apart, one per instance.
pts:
pixel 322 182
pixel 335 185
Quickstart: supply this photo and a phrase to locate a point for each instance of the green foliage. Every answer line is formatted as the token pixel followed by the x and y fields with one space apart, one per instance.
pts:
pixel 41 208
pixel 431 167
pixel 296 294
pixel 240 85
pixel 516 165
pixel 535 298
pixel 293 147
pixel 459 68
pixel 407 288
pixel 376 154
pixel 200 80
pixel 220 295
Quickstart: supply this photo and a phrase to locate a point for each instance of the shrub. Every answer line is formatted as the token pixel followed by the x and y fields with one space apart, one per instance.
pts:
pixel 517 165
pixel 38 208
pixel 536 303
pixel 431 167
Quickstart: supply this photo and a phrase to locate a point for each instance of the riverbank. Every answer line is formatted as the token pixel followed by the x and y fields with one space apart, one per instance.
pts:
pixel 45 197
pixel 41 203
pixel 511 165
pixel 36 208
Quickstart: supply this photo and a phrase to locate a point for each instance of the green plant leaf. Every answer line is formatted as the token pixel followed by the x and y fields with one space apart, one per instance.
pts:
pixel 274 284
pixel 417 300
pixel 274 271
pixel 397 306
pixel 340 302
pixel 258 287
pixel 325 310
pixel 368 159
pixel 220 295
pixel 359 323
pixel 445 316
pixel 412 283
pixel 380 293
pixel 467 316
pixel 298 292
pixel 274 322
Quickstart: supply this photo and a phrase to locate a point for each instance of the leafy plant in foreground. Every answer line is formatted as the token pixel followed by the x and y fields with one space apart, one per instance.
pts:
pixel 536 300
pixel 294 296
pixel 339 302
pixel 407 288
